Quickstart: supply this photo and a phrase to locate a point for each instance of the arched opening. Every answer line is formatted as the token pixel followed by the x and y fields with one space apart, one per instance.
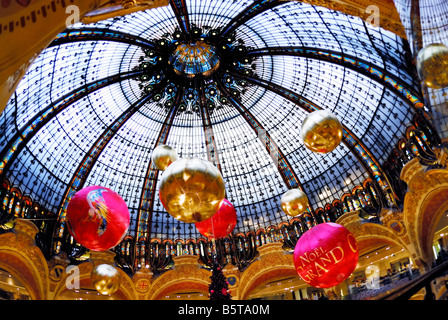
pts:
pixel 76 284
pixel 11 287
pixel 23 272
pixel 84 290
pixel 284 286
pixel 383 264
pixel 280 283
pixel 433 226
pixel 440 239
pixel 183 290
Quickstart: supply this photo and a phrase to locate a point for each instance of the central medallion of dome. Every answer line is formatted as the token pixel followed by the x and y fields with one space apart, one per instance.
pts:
pixel 194 58
pixel 195 68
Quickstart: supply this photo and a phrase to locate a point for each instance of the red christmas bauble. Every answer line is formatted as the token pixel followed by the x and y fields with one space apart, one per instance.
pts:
pixel 326 255
pixel 221 223
pixel 97 217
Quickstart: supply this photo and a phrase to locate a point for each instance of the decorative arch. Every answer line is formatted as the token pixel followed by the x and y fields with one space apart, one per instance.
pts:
pixel 434 206
pixel 6 184
pixel 16 191
pixel 273 262
pixel 125 292
pixel 366 231
pixel 22 258
pixel 410 129
pixel 424 203
pixel 185 275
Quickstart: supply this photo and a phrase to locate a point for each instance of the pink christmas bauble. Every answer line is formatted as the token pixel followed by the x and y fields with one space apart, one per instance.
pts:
pixel 97 217
pixel 326 255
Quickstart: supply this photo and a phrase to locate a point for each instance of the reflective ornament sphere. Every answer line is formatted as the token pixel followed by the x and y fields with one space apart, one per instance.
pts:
pixel 326 255
pixel 294 202
pixel 163 156
pixel 105 279
pixel 191 190
pixel 432 65
pixel 221 223
pixel 97 217
pixel 321 131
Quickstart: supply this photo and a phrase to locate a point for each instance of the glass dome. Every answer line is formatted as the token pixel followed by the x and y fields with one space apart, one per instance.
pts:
pixel 226 81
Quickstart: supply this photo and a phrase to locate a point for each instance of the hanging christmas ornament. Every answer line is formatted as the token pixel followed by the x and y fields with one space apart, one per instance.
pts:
pixel 191 190
pixel 325 255
pixel 163 156
pixel 221 223
pixel 294 202
pixel 97 217
pixel 105 279
pixel 432 65
pixel 321 131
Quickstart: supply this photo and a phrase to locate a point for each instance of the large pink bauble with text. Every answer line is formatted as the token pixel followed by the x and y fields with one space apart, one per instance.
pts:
pixel 326 255
pixel 97 217
pixel 221 223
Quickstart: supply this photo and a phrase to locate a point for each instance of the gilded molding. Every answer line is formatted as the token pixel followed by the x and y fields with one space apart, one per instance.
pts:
pixel 20 256
pixel 273 262
pixel 422 204
pixel 186 269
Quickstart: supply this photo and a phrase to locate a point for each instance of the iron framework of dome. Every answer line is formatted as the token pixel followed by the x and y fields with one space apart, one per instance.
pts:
pixel 227 81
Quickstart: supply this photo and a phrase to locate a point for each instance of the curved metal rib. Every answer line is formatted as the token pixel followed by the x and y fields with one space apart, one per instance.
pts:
pixel 364 67
pixel 79 178
pixel 101 34
pixel 286 171
pixel 181 12
pixel 149 185
pixel 361 152
pixel 210 143
pixel 27 132
pixel 248 13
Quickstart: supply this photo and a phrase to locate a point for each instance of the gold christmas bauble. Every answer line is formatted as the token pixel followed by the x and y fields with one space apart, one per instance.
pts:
pixel 163 156
pixel 294 202
pixel 191 190
pixel 432 65
pixel 105 279
pixel 321 131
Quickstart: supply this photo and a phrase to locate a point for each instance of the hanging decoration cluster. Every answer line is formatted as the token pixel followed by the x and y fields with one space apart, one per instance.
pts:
pixel 192 190
pixel 321 133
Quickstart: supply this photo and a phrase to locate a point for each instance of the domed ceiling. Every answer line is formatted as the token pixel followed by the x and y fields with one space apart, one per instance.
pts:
pixel 227 81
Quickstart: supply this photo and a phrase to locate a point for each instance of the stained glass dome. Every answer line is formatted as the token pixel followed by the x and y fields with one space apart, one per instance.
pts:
pixel 194 58
pixel 226 81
